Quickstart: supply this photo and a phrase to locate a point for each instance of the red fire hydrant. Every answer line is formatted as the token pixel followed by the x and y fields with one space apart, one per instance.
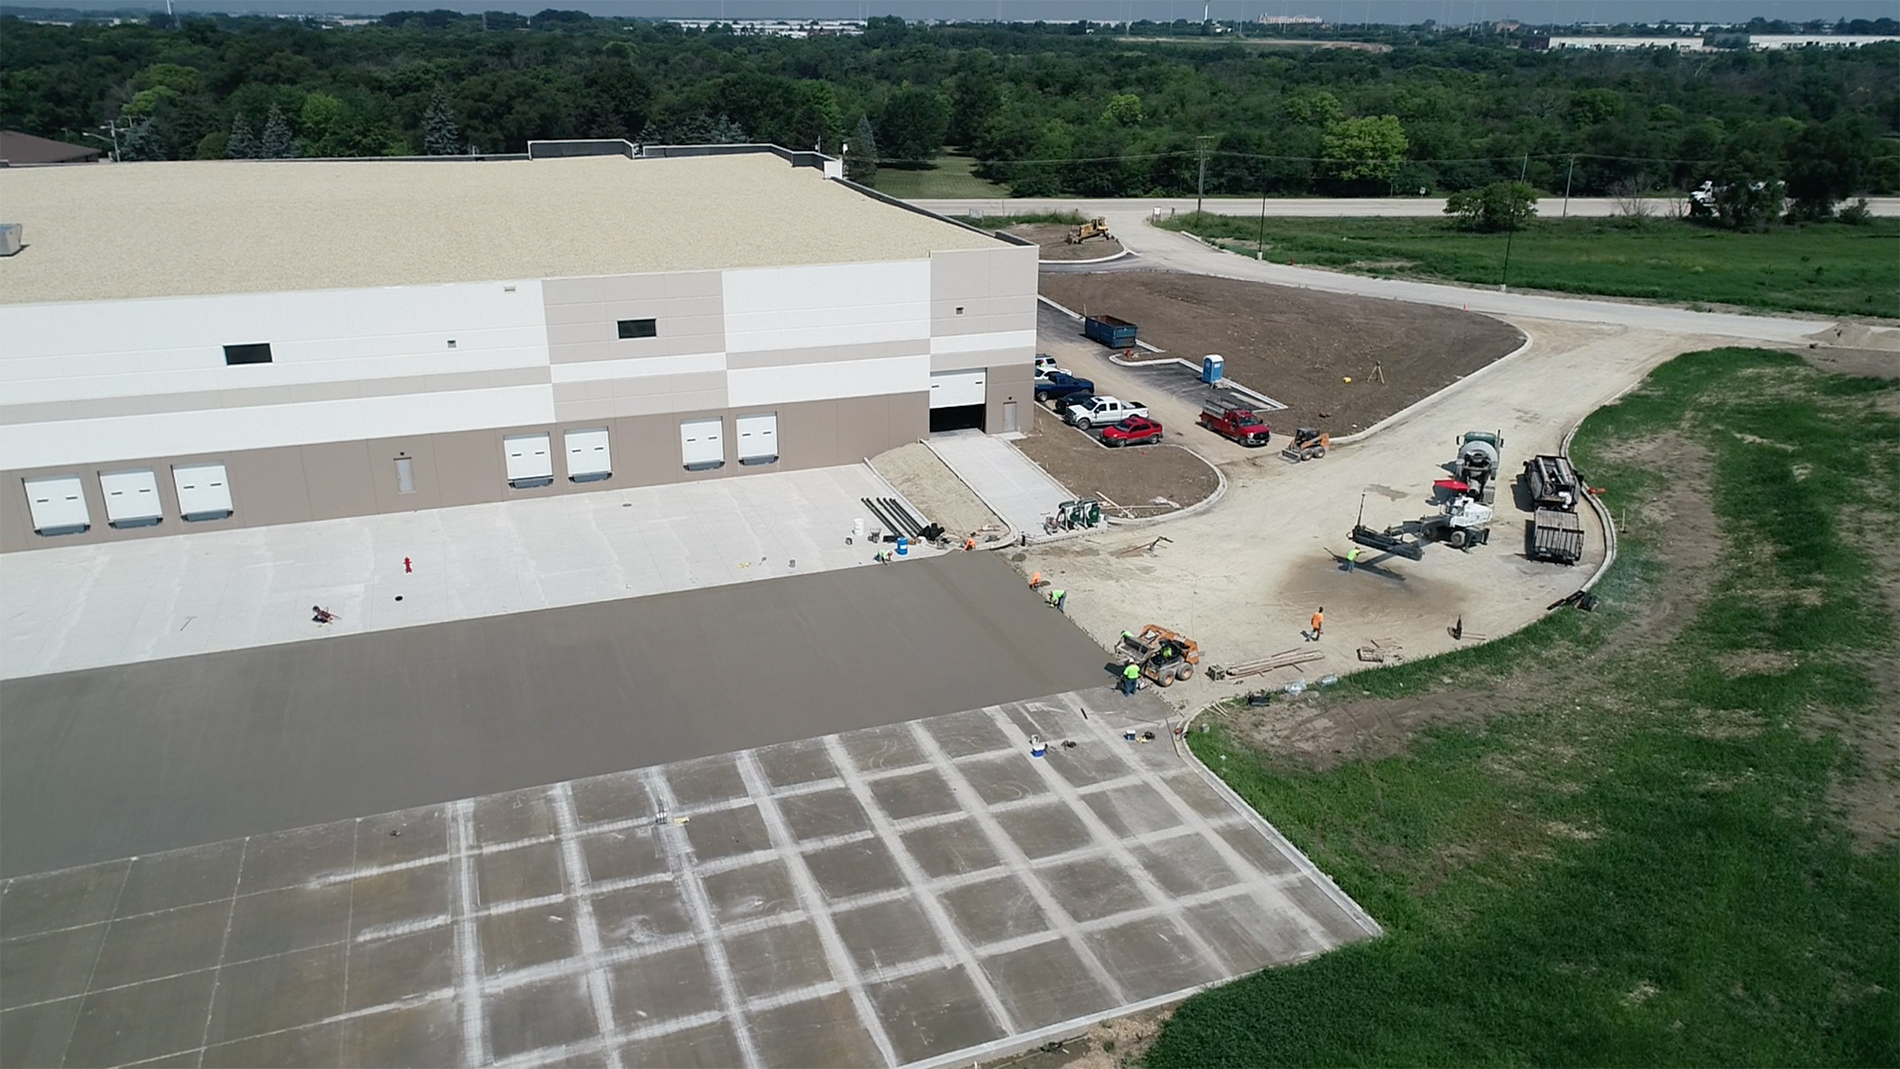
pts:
pixel 406 566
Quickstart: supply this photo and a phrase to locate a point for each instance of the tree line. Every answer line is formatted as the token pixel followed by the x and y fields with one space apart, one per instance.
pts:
pixel 1071 109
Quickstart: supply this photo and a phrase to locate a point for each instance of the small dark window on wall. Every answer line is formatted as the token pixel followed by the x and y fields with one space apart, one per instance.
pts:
pixel 638 328
pixel 247 354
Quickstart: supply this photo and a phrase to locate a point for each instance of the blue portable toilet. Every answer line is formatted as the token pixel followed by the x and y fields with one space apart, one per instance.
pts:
pixel 1212 367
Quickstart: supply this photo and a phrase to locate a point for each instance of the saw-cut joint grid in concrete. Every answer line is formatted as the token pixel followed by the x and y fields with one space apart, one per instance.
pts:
pixel 924 893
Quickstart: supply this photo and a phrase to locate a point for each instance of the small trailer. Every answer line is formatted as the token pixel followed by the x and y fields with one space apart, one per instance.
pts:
pixel 1553 483
pixel 1112 332
pixel 1556 535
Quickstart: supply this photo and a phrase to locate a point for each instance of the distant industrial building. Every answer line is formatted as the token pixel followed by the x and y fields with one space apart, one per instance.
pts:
pixel 1716 42
pixel 204 345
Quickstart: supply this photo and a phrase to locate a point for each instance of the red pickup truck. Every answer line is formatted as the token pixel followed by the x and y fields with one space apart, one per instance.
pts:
pixel 1135 430
pixel 1232 420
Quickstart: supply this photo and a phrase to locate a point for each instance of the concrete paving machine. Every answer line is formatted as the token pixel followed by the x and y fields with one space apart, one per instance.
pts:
pixel 1308 444
pixel 1094 228
pixel 1463 524
pixel 1164 655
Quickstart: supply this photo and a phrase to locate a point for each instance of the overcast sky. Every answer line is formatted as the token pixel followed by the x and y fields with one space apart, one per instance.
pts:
pixel 1453 12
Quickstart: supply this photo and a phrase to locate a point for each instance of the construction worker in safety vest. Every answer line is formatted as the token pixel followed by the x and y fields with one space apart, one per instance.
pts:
pixel 1352 557
pixel 1131 678
pixel 1057 597
pixel 1318 621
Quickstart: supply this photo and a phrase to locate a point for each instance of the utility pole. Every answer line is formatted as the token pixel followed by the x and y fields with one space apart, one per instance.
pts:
pixel 1504 283
pixel 1568 171
pixel 1200 184
pixel 1260 248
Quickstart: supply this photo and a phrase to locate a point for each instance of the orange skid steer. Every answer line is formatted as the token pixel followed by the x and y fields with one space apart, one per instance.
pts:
pixel 1164 655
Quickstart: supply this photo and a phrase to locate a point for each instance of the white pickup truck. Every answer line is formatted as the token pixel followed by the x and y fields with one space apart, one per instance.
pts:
pixel 1089 412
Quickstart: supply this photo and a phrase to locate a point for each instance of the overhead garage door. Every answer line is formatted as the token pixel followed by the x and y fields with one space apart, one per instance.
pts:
pixel 203 493
pixel 703 444
pixel 58 504
pixel 954 389
pixel 131 497
pixel 528 461
pixel 587 457
pixel 758 438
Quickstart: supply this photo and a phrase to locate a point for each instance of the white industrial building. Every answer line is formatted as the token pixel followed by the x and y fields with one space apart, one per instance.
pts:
pixel 196 346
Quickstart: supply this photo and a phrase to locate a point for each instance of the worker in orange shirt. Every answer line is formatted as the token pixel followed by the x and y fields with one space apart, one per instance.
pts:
pixel 1318 621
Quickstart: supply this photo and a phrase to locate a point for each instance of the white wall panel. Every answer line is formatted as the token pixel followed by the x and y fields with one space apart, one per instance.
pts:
pixel 638 367
pixel 56 352
pixel 36 445
pixel 831 304
pixel 746 387
pixel 967 343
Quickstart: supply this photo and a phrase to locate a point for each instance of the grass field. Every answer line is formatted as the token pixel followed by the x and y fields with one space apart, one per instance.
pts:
pixel 1830 268
pixel 1666 835
pixel 946 177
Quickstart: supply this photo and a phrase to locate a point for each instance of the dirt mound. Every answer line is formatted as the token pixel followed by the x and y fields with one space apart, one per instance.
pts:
pixel 1054 240
pixel 1298 346
pixel 1859 336
pixel 1134 476
pixel 929 484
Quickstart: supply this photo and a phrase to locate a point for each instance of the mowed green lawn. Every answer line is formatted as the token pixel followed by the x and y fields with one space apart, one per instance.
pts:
pixel 1645 853
pixel 946 178
pixel 1829 268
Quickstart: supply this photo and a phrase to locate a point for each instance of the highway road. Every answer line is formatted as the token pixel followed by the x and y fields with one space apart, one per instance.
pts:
pixel 1302 207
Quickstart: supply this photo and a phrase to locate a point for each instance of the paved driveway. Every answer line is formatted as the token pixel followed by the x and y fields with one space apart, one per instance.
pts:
pixel 925 893
pixel 131 759
pixel 1008 482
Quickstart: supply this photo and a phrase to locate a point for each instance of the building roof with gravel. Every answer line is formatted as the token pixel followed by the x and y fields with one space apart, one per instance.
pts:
pixel 208 227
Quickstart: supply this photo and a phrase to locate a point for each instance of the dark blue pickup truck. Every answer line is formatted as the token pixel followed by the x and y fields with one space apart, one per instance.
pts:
pixel 1058 384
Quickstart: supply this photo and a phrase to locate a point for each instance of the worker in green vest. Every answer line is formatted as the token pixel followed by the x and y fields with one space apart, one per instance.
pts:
pixel 1058 598
pixel 1131 678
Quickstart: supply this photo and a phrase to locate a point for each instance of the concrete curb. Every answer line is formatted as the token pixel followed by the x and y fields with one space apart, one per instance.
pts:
pixel 1411 409
pixel 1126 251
pixel 1220 491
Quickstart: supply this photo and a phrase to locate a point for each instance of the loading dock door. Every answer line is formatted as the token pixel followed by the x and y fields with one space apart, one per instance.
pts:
pixel 703 444
pixel 58 504
pixel 588 459
pixel 954 389
pixel 758 438
pixel 131 497
pixel 528 461
pixel 203 493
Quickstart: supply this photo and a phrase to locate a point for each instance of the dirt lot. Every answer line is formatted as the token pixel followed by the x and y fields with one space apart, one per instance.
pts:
pixel 1297 346
pixel 1053 237
pixel 1131 475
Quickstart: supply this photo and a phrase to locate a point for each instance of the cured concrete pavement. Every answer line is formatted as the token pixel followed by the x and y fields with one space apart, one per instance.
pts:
pixel 1296 207
pixel 1243 576
pixel 145 599
pixel 130 759
pixel 926 894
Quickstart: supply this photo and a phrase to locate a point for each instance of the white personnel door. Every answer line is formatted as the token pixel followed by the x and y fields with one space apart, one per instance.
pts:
pixel 203 493
pixel 131 497
pixel 58 504
pixel 528 461
pixel 758 438
pixel 702 444
pixel 588 458
pixel 956 389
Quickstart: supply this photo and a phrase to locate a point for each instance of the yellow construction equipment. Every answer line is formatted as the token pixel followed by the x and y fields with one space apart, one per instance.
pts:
pixel 1094 228
pixel 1164 656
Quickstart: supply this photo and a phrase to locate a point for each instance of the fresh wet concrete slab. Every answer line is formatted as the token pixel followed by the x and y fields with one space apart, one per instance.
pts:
pixel 139 758
pixel 917 893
